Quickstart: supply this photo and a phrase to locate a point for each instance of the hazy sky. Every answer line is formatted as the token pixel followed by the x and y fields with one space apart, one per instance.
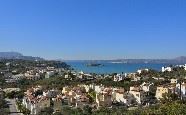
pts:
pixel 94 29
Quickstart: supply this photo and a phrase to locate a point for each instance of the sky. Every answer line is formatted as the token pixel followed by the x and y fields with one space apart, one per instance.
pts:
pixel 94 29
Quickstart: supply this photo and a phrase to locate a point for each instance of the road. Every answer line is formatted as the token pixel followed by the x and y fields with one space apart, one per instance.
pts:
pixel 12 107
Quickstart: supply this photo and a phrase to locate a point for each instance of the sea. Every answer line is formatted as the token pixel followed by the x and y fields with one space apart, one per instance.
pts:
pixel 109 67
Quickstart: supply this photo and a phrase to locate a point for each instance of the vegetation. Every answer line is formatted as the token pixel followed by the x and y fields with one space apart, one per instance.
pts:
pixel 13 94
pixel 3 106
pixel 46 111
pixel 172 108
pixel 169 104
pixel 22 108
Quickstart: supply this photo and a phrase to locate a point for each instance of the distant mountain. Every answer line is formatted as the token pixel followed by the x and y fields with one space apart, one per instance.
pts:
pixel 181 58
pixel 178 60
pixel 10 54
pixel 17 55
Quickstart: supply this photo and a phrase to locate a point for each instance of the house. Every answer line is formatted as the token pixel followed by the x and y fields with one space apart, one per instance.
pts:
pixel 67 76
pixel 18 76
pixel 122 97
pixel 36 99
pixel 71 98
pixel 138 94
pixel 89 76
pixel 103 99
pixel 174 81
pixel 50 93
pixel 9 90
pixel 118 77
pixel 117 94
pixel 181 66
pixel 81 75
pixel 66 90
pixel 142 70
pixel 183 89
pixel 51 68
pixel 160 91
pixel 49 74
pixel 169 69
pixel 128 99
pixel 77 97
pixel 35 105
pixel 146 87
pixel 131 75
pixel 136 78
pixel 82 101
pixel 98 88
pixel 32 76
pixel 158 78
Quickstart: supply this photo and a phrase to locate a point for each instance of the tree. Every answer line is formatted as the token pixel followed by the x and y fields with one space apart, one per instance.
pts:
pixel 22 108
pixel 25 111
pixel 169 97
pixel 46 111
pixel 87 110
pixel 92 95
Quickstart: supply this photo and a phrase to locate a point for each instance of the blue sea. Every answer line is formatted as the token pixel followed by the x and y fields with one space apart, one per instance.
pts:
pixel 112 67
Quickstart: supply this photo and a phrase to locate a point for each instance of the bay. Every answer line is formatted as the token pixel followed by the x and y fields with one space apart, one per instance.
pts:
pixel 108 67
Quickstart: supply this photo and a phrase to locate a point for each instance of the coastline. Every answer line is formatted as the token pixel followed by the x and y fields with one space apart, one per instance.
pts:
pixel 109 68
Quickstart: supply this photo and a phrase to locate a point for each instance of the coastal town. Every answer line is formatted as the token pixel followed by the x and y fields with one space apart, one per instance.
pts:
pixel 92 57
pixel 52 87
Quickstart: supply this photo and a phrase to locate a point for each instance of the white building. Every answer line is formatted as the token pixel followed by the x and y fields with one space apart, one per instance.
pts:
pixel 18 76
pixel 35 76
pixel 87 87
pixel 98 88
pixel 141 70
pixel 119 95
pixel 118 77
pixel 50 93
pixel 136 78
pixel 67 76
pixel 36 105
pixel 174 81
pixel 161 91
pixel 183 89
pixel 182 66
pixel 146 87
pixel 49 74
pixel 8 90
pixel 138 94
pixel 164 69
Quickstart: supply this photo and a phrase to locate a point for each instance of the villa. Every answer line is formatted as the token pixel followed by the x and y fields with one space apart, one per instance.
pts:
pixel 138 94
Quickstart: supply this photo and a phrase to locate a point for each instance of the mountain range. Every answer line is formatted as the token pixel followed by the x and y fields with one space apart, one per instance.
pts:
pixel 177 60
pixel 17 55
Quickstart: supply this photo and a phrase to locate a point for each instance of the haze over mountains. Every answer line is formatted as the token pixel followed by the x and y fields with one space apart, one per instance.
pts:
pixel 17 55
pixel 178 60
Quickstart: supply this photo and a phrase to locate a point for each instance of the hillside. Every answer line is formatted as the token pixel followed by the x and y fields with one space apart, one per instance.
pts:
pixel 17 55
